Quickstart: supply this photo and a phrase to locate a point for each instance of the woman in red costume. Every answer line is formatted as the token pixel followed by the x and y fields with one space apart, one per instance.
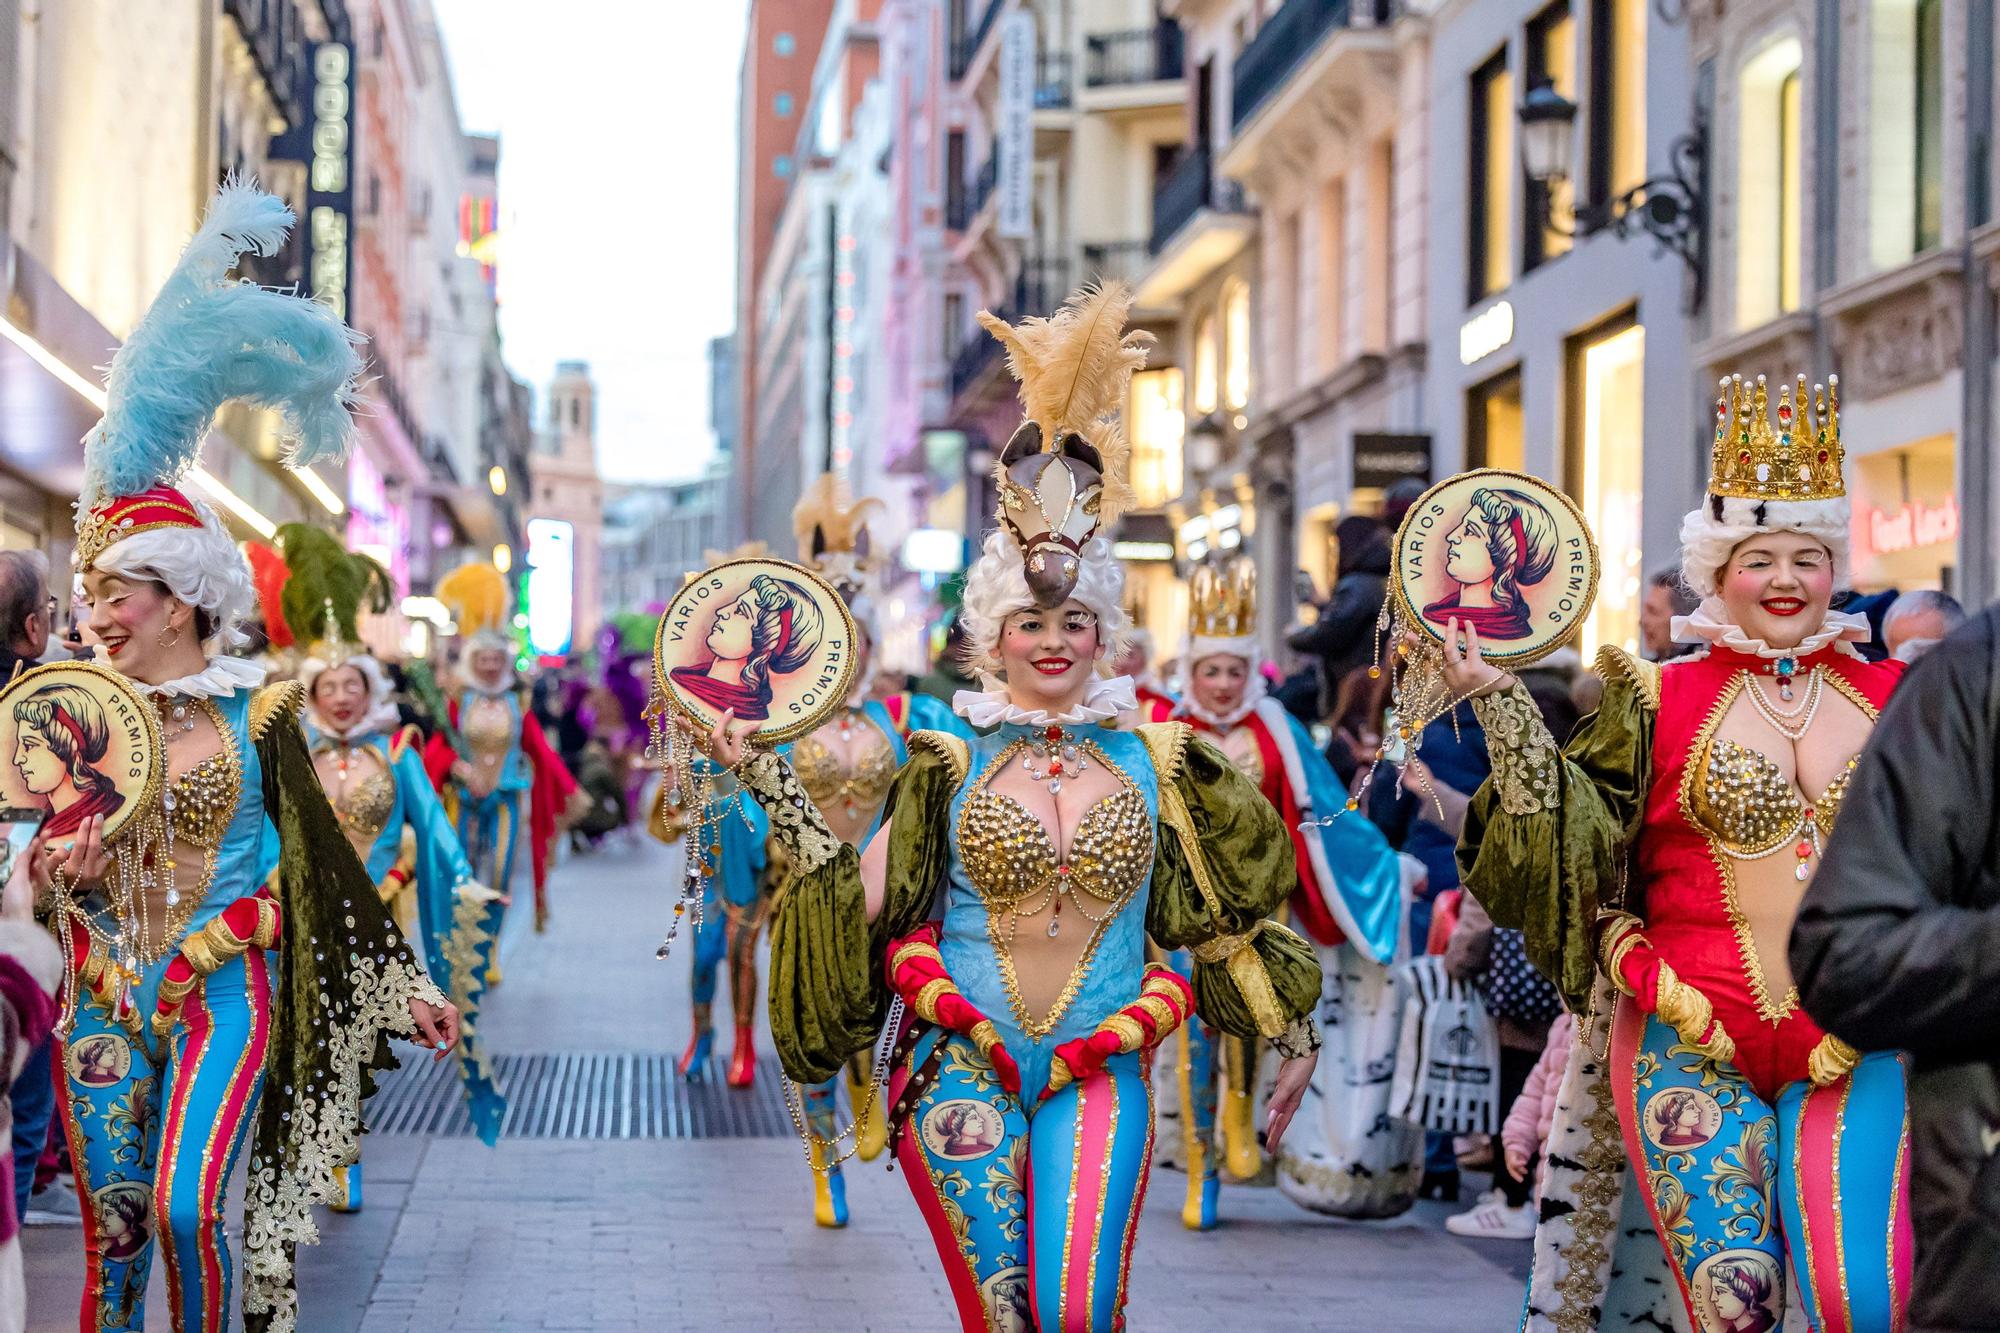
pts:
pixel 1655 865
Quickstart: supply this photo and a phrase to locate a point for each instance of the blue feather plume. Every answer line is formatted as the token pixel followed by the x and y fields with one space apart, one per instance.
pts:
pixel 208 340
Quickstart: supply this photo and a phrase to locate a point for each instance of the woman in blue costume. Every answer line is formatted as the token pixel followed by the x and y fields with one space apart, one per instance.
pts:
pixel 210 1003
pixel 373 771
pixel 846 766
pixel 1014 879
pixel 489 758
pixel 1343 1157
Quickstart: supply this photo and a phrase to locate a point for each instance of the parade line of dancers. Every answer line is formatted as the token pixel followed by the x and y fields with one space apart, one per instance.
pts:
pixel 1106 927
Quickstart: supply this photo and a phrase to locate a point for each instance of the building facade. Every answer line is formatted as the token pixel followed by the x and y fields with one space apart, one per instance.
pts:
pixel 656 536
pixel 568 497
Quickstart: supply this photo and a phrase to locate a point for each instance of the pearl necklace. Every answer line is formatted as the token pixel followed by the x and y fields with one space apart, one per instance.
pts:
pixel 1792 725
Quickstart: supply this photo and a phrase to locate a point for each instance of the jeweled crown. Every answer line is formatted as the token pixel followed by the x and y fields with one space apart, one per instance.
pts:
pixel 1222 600
pixel 1787 452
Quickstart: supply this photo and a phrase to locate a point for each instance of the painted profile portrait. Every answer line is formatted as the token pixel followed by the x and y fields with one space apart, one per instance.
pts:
pixel 1682 1118
pixel 1742 1292
pixel 124 1211
pixel 1009 1308
pixel 962 1130
pixel 764 638
pixel 78 743
pixel 1505 555
pixel 100 1060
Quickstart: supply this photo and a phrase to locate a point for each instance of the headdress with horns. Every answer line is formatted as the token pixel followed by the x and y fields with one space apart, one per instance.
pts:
pixel 832 530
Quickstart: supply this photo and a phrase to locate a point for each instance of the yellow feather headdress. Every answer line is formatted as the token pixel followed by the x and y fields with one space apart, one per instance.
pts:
pixel 476 595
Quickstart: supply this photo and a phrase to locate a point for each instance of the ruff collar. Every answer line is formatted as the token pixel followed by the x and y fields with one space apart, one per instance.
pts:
pixel 1707 625
pixel 991 706
pixel 381 718
pixel 1254 693
pixel 222 677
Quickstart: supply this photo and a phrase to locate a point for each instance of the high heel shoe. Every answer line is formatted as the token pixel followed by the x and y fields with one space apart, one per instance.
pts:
pixel 743 1060
pixel 871 1131
pixel 829 1193
pixel 693 1063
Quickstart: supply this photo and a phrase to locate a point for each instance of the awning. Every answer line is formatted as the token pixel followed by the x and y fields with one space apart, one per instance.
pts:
pixel 49 347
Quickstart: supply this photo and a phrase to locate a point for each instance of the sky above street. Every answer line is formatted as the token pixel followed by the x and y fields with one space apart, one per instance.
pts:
pixel 617 202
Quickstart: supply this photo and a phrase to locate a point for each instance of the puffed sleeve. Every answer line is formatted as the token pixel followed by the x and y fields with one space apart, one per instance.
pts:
pixel 1546 832
pixel 829 995
pixel 1224 863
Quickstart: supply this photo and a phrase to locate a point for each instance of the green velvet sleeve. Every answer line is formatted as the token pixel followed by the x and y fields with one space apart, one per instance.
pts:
pixel 828 993
pixel 1224 863
pixel 1545 837
pixel 345 979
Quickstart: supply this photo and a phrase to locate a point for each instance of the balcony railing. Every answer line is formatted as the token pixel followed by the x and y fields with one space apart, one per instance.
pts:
pixel 1144 55
pixel 1043 285
pixel 1192 187
pixel 1284 43
pixel 968 42
pixel 963 204
pixel 1115 261
pixel 1053 90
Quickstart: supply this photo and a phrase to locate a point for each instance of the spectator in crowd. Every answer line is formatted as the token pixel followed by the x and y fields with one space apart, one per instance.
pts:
pixel 1897 947
pixel 1915 622
pixel 1525 1135
pixel 948 675
pixel 1396 501
pixel 30 969
pixel 27 610
pixel 1667 596
pixel 1342 639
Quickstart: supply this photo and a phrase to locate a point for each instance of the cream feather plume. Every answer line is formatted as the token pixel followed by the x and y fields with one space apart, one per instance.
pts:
pixel 1075 368
pixel 840 519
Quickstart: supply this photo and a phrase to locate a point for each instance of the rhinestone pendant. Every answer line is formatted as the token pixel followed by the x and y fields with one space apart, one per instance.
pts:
pixel 1055 786
pixel 173 897
pixel 1802 872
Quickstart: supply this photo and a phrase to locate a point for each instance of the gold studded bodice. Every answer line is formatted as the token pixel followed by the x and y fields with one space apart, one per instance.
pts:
pixel 203 801
pixel 1010 858
pixel 1240 747
pixel 363 809
pixel 1746 801
pixel 488 727
pixel 850 792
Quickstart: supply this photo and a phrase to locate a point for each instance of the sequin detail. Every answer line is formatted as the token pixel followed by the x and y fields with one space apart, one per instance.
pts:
pixel 364 808
pixel 855 792
pixel 1751 807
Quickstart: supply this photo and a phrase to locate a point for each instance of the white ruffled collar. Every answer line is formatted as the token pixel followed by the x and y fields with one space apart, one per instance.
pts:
pixel 991 706
pixel 222 677
pixel 1254 693
pixel 1707 624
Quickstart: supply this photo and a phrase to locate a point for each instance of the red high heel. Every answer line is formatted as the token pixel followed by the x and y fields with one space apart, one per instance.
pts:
pixel 743 1060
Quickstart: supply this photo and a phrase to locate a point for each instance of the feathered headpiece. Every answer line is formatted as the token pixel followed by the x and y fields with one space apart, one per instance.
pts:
pixel 476 595
pixel 206 341
pixel 1062 475
pixel 832 529
pixel 268 573
pixel 326 591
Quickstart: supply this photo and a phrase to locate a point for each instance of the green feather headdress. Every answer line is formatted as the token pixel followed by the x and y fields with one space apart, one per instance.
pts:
pixel 326 591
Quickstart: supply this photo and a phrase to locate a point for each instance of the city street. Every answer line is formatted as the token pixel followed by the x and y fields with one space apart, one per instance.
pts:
pixel 600 1209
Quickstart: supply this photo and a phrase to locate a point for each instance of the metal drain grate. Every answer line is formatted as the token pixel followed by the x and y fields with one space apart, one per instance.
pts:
pixel 584 1095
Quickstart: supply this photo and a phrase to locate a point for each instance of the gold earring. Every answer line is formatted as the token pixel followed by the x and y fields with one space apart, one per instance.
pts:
pixel 165 642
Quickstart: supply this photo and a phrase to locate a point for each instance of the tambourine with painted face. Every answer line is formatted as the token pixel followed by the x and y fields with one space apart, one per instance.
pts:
pixel 78 741
pixel 1506 554
pixel 766 638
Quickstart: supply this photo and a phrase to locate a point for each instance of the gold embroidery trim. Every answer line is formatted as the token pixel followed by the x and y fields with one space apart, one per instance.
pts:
pixel 1130 1035
pixel 206 951
pixel 1526 760
pixel 952 749
pixel 794 817
pixel 270 702
pixel 1246 968
pixel 1643 675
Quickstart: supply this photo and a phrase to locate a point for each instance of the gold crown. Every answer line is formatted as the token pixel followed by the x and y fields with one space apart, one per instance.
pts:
pixel 1766 454
pixel 1222 600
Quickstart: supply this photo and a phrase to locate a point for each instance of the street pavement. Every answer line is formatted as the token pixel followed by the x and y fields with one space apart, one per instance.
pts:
pixel 671 1233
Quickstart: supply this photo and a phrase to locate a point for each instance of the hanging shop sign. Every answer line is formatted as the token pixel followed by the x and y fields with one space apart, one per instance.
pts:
pixel 1383 458
pixel 330 175
pixel 1015 136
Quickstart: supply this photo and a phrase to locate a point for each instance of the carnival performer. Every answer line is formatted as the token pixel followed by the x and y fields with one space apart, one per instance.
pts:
pixel 846 766
pixel 372 769
pixel 1136 662
pixel 1661 855
pixel 490 756
pixel 1008 892
pixel 1344 1156
pixel 213 987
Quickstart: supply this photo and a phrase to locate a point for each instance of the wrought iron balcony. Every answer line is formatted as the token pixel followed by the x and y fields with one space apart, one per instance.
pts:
pixel 966 45
pixel 1053 90
pixel 1283 44
pixel 1143 55
pixel 964 203
pixel 1192 187
pixel 1115 261
pixel 1043 284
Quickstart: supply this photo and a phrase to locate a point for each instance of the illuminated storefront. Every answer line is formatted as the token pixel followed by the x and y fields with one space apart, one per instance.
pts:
pixel 1906 519
pixel 1605 471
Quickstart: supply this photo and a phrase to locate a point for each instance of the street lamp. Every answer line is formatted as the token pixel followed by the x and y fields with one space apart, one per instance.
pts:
pixel 1671 208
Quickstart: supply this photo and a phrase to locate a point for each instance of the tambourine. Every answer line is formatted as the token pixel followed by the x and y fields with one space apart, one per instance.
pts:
pixel 767 638
pixel 78 740
pixel 1503 552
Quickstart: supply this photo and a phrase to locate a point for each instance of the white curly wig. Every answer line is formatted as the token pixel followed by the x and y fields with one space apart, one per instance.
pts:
pixel 381 714
pixel 996 587
pixel 201 566
pixel 1711 533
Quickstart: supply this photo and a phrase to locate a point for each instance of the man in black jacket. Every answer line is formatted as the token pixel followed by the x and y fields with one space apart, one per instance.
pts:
pixel 1343 638
pixel 1897 947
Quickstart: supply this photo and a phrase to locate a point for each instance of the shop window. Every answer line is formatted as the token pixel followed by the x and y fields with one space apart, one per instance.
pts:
pixel 1930 78
pixel 1236 344
pixel 1206 399
pixel 1491 199
pixel 1495 432
pixel 1770 184
pixel 1551 53
pixel 1906 519
pixel 1905 126
pixel 1158 428
pixel 954 323
pixel 1604 470
pixel 1618 97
